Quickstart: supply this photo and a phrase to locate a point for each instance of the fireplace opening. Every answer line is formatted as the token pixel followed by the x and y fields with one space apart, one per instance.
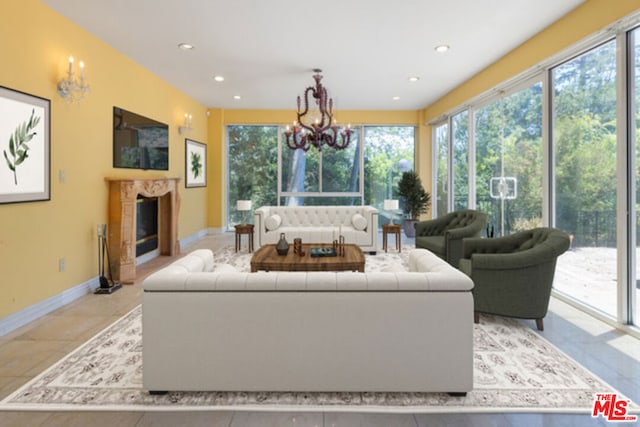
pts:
pixel 146 224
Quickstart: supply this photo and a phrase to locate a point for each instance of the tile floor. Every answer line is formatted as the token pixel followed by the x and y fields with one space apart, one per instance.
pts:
pixel 610 354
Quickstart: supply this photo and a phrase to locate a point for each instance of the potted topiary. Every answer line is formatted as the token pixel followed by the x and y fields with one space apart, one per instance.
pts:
pixel 416 200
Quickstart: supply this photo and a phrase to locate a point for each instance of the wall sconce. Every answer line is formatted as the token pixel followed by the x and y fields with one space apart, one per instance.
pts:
pixel 186 124
pixel 72 89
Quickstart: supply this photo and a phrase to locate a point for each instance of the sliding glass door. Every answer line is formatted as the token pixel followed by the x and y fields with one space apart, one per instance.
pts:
pixel 441 166
pixel 634 137
pixel 584 141
pixel 508 144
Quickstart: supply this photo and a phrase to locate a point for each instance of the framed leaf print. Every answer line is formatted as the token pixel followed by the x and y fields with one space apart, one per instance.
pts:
pixel 25 127
pixel 195 164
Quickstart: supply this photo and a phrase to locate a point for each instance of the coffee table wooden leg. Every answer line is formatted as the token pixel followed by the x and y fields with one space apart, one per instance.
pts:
pixel 398 243
pixel 384 241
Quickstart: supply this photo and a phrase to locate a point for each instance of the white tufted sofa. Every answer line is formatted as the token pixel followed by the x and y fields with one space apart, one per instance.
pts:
pixel 318 224
pixel 208 328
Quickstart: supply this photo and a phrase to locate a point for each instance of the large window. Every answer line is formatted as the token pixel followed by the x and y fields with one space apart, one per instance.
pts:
pixel 584 141
pixel 441 150
pixel 508 144
pixel 563 152
pixel 326 177
pixel 634 137
pixel 389 151
pixel 316 177
pixel 252 153
pixel 460 145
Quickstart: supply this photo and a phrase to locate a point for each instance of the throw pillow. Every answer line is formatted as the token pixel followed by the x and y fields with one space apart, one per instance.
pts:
pixel 359 222
pixel 273 222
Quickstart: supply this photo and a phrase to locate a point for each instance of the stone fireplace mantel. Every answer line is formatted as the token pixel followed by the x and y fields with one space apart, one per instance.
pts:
pixel 122 221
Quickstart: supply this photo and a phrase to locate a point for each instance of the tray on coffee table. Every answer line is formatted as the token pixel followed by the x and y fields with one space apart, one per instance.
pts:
pixel 267 258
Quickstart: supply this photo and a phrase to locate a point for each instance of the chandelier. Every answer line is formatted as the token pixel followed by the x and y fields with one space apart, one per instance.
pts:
pixel 318 128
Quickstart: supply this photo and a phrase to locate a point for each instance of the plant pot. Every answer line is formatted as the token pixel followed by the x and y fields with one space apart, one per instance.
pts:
pixel 410 227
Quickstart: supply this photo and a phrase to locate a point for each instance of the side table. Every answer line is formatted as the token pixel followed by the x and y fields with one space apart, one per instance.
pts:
pixel 391 229
pixel 244 229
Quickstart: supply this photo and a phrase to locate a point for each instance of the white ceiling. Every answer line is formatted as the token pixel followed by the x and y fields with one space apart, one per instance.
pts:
pixel 266 49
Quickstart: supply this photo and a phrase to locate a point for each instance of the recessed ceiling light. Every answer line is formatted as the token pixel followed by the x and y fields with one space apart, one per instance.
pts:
pixel 185 46
pixel 396 98
pixel 218 78
pixel 442 48
pixel 237 97
pixel 414 79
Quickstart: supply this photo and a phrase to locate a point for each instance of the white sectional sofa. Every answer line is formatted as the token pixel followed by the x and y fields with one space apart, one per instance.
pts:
pixel 318 224
pixel 409 331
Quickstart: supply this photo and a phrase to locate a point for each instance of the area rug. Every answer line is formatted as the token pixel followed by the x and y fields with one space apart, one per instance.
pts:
pixel 515 369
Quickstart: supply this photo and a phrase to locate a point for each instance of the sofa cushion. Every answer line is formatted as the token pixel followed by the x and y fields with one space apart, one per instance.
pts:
pixel 273 222
pixel 359 222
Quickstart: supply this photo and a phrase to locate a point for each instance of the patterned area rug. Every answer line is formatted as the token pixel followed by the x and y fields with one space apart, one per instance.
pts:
pixel 515 369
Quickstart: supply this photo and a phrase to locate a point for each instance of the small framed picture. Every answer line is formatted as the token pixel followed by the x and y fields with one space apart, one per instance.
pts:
pixel 195 164
pixel 25 128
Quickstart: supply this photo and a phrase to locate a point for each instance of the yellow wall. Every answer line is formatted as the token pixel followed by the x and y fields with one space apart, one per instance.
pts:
pixel 35 45
pixel 587 19
pixel 219 119
pixel 33 236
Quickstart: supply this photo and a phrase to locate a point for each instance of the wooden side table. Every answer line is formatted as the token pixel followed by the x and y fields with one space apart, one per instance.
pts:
pixel 391 229
pixel 244 229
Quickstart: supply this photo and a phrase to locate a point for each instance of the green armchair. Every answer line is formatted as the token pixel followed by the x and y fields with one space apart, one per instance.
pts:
pixel 443 235
pixel 513 275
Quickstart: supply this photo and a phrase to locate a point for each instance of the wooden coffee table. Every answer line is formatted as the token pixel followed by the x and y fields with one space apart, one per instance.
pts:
pixel 266 258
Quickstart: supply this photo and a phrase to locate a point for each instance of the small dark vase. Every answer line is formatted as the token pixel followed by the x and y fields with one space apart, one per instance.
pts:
pixel 282 247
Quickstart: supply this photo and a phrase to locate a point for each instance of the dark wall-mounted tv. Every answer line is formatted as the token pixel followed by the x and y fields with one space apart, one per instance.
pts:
pixel 139 142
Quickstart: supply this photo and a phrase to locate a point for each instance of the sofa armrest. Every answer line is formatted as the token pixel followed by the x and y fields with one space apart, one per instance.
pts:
pixel 259 217
pixel 371 214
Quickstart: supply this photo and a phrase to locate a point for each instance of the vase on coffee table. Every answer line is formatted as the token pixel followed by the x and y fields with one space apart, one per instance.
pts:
pixel 282 247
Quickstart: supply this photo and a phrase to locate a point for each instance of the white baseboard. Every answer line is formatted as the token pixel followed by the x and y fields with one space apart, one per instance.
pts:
pixel 148 256
pixel 35 311
pixel 189 240
pixel 186 241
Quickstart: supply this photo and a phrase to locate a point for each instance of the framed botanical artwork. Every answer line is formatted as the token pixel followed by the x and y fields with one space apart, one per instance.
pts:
pixel 195 164
pixel 25 128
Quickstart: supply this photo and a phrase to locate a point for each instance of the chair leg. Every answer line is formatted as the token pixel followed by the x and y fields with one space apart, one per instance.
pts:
pixel 476 317
pixel 539 325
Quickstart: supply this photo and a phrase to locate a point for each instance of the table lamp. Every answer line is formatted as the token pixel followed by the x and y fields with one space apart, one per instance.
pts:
pixel 391 205
pixel 243 206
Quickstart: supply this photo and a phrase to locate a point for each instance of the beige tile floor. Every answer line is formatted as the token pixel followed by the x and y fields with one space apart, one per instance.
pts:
pixel 25 352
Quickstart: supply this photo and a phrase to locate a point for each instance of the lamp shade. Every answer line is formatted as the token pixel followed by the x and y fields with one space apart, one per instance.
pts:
pixel 390 204
pixel 243 205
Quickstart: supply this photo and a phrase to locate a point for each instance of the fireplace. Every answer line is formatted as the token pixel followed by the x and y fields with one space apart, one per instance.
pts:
pixel 123 213
pixel 146 224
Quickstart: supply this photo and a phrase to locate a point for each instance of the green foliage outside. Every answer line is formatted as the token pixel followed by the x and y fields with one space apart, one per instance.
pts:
pixel 253 167
pixel 319 175
pixel 508 139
